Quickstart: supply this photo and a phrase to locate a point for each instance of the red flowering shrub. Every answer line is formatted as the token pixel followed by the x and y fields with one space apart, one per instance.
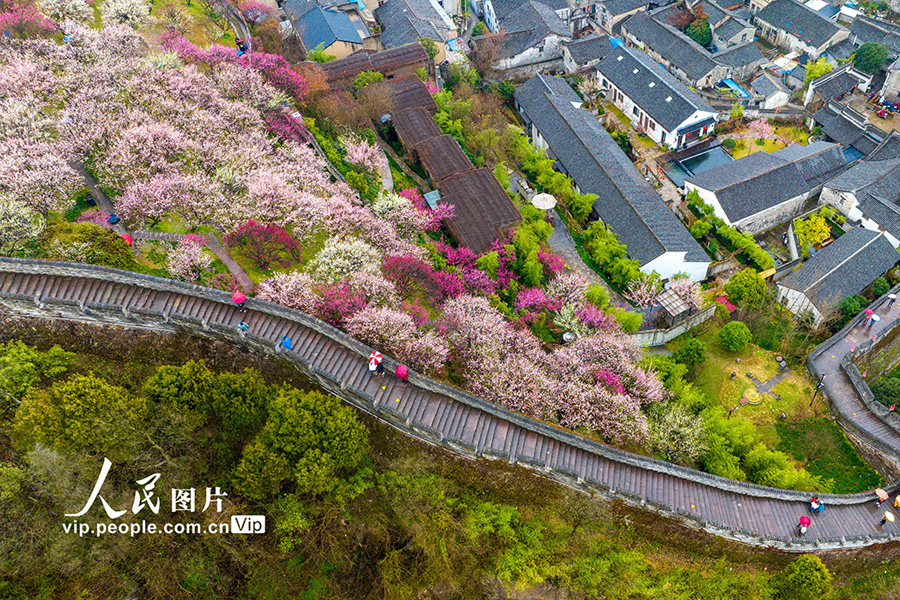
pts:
pixel 264 244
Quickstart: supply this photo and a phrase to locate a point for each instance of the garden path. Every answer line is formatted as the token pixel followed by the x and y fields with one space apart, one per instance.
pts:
pixel 100 198
pixel 442 415
pixel 562 243
pixel 212 242
pixel 386 148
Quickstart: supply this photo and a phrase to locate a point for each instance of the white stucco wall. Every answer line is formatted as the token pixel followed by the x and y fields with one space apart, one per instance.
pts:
pixel 798 303
pixel 550 51
pixel 777 100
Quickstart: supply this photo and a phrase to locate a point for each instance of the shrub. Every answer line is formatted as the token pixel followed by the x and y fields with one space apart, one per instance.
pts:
pixel 747 287
pixel 807 578
pixel 880 286
pixel 735 336
pixel 89 243
pixel 691 354
pixel 729 143
pixel 264 244
pixel 886 390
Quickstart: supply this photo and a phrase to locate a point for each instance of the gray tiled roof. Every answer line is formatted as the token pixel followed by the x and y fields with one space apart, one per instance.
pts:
pixel 761 181
pixel 740 55
pixel 843 49
pixel 668 101
pixel 889 148
pixel 800 21
pixel 324 27
pixel 863 174
pixel 767 85
pixel 528 25
pixel 838 125
pixel 730 28
pixel 503 8
pixel 865 29
pixel 684 53
pixel 620 7
pixel 843 268
pixel 586 49
pixel 405 21
pixel 834 87
pixel 585 151
pixel 295 9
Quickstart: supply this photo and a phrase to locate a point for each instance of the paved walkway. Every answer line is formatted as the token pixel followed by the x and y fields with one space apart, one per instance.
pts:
pixel 103 203
pixel 561 243
pixel 441 415
pixel 387 179
pixel 386 148
pixel 837 383
pixel 212 242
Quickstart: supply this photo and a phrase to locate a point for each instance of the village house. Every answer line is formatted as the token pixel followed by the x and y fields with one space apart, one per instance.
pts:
pixel 657 103
pixel 795 27
pixel 844 268
pixel 763 190
pixel 582 54
pixel 576 14
pixel 690 62
pixel 869 193
pixel 626 202
pixel 339 30
pixel 529 40
pixel 849 128
pixel 405 21
pixel 392 63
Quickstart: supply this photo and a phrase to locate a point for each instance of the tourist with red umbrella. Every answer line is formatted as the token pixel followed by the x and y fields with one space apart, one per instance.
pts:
pixel 402 372
pixel 804 524
pixel 239 298
pixel 375 360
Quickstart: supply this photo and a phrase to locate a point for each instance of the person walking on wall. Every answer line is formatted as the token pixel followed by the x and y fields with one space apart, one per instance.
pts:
pixel 286 342
pixel 402 373
pixel 804 525
pixel 888 516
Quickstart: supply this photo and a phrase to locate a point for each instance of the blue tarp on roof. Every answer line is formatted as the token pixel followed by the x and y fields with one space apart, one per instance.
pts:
pixel 324 27
pixel 736 88
pixel 616 42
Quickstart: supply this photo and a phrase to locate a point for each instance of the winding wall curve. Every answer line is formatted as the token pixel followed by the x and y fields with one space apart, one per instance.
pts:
pixel 437 413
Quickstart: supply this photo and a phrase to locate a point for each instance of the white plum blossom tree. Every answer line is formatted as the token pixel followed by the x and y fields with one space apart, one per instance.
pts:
pixel 64 10
pixel 134 13
pixel 18 224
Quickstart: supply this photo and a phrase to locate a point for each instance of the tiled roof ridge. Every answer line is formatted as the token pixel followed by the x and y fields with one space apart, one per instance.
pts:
pixel 663 80
pixel 841 263
pixel 614 182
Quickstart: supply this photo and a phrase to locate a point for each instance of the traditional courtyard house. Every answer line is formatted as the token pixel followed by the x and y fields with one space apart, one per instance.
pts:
pixel 869 193
pixel 797 28
pixel 529 40
pixel 850 129
pixel 835 86
pixel 626 202
pixel 775 93
pixel 582 54
pixel 405 21
pixel 844 268
pixel 331 30
pixel 656 102
pixel 693 64
pixel 392 63
pixel 762 190
pixel 414 125
pixel 613 12
pixel 576 14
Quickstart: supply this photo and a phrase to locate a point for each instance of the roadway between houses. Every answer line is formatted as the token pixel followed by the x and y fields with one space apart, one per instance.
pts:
pixel 440 414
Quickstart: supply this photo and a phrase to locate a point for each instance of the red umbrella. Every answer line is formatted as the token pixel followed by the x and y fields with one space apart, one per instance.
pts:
pixel 128 239
pixel 869 312
pixel 376 357
pixel 804 520
pixel 238 298
pixel 401 371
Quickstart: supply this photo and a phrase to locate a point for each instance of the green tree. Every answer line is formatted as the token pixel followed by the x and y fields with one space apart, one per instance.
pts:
pixel 90 243
pixel 83 412
pixel 880 286
pixel 807 578
pixel 870 57
pixel 365 78
pixel 730 143
pixel 811 231
pixel 700 32
pixel 302 423
pixel 692 354
pixel 261 473
pixel 886 390
pixel 747 288
pixel 189 388
pixel 850 307
pixel 22 366
pixel 737 111
pixel 818 69
pixel 735 336
pixel 480 29
pixel 430 47
pixel 318 55
pixel 701 228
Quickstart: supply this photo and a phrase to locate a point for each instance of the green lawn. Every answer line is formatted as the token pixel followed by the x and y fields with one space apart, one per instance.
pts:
pixel 645 141
pixel 826 452
pixel 747 147
pixel 402 181
pixel 619 114
pixel 796 134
